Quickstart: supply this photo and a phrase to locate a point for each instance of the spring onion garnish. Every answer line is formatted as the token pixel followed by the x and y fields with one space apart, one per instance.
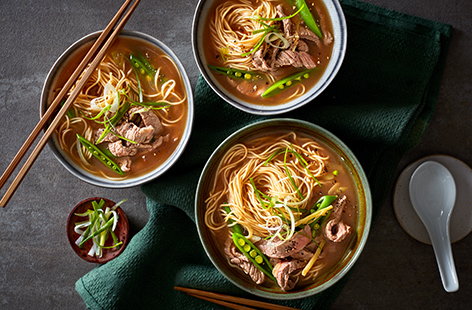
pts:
pixel 113 121
pixel 258 194
pixel 257 46
pixel 151 105
pixel 275 36
pixel 100 225
pixel 281 18
pixel 303 161
pixel 289 175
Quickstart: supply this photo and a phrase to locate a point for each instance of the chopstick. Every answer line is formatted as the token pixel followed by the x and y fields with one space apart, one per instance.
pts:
pixel 221 298
pixel 115 24
pixel 223 303
pixel 42 122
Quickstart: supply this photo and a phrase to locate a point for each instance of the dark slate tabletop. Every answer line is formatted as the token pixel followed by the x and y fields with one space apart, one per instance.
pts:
pixel 38 269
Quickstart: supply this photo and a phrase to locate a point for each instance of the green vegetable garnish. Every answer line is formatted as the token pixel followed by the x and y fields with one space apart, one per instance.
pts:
pixel 234 73
pixel 260 260
pixel 97 153
pixel 235 228
pixel 70 113
pixel 113 121
pixel 152 105
pixel 281 18
pixel 100 225
pixel 308 17
pixel 284 82
pixel 287 171
pixel 142 65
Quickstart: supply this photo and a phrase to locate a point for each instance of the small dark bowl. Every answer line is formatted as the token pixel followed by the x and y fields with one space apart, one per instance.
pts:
pixel 121 231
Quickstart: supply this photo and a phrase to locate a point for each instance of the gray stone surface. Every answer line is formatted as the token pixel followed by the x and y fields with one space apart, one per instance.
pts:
pixel 37 267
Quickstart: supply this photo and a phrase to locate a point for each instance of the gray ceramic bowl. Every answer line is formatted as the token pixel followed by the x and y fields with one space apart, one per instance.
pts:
pixel 363 220
pixel 339 49
pixel 96 180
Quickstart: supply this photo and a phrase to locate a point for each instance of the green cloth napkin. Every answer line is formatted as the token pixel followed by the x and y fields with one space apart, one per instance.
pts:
pixel 379 104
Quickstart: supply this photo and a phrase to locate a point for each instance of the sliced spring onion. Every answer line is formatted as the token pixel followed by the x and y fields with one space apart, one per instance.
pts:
pixel 100 225
pixel 152 105
pixel 289 175
pixel 274 36
pixel 282 18
pixel 256 47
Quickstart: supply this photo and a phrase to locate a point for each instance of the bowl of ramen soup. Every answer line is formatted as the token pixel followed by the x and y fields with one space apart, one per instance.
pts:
pixel 283 209
pixel 132 119
pixel 269 56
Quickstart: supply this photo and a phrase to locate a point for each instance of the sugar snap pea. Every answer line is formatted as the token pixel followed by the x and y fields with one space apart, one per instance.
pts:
pixel 97 153
pixel 142 65
pixel 257 258
pixel 308 17
pixel 286 82
pixel 322 203
pixel 234 73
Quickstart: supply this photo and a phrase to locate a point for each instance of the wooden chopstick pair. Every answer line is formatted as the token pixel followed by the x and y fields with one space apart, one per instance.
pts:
pixel 105 40
pixel 231 301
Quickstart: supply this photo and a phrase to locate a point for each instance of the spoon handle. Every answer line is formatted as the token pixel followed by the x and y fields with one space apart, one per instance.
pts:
pixel 442 249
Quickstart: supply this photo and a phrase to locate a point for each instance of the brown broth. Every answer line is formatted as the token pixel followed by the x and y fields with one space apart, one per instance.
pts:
pixel 142 163
pixel 320 56
pixel 332 252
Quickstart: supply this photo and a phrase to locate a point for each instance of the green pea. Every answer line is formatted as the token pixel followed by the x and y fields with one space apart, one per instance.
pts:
pixel 238 74
pixel 335 172
pixel 258 259
pixel 241 242
pixel 281 86
pixel 246 248
pixel 289 83
pixel 253 253
pixel 247 76
pixel 306 75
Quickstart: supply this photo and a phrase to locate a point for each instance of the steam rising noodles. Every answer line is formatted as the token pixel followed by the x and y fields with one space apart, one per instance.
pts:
pixel 136 93
pixel 291 198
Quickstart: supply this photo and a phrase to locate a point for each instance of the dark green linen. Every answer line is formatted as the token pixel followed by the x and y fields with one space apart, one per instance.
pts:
pixel 379 105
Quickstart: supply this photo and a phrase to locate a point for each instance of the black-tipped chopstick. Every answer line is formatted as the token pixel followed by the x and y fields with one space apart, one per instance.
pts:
pixel 231 301
pixel 115 26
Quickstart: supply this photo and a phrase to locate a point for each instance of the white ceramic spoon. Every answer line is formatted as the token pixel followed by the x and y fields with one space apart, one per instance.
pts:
pixel 433 194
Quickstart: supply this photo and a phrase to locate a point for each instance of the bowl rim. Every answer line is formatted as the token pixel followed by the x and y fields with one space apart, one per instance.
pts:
pixel 313 92
pixel 247 130
pixel 73 168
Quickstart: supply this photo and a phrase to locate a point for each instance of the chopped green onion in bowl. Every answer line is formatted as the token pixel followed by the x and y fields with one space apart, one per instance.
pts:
pixel 98 229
